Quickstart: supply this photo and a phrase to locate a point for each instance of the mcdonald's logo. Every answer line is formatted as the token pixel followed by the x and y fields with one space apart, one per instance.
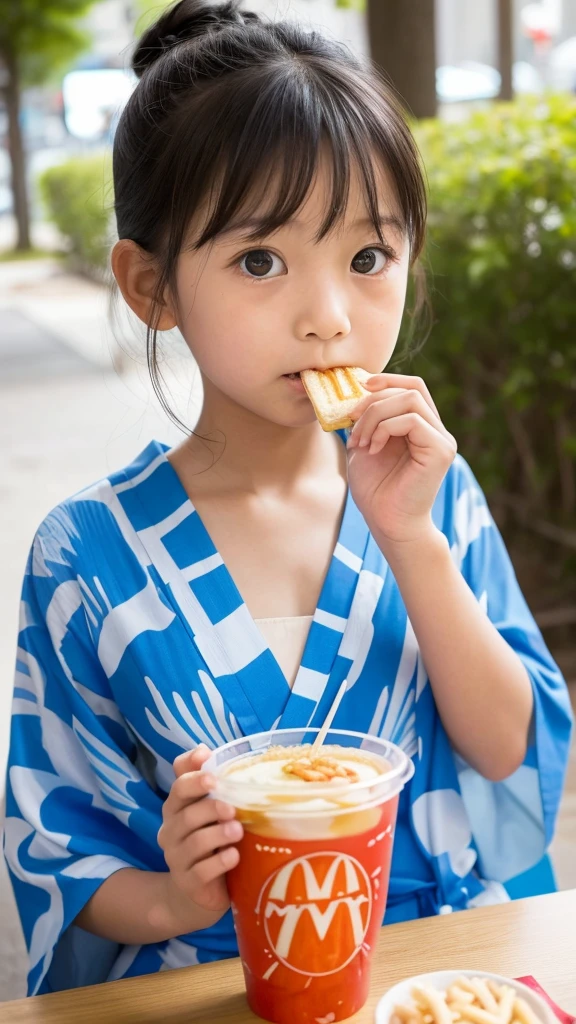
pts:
pixel 319 902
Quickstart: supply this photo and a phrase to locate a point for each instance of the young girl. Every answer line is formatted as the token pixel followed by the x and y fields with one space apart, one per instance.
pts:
pixel 269 203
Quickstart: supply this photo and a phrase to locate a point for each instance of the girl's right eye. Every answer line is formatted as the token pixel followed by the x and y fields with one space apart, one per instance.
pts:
pixel 261 263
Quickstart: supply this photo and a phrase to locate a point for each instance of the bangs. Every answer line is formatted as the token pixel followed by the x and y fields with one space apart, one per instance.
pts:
pixel 268 138
pixel 228 128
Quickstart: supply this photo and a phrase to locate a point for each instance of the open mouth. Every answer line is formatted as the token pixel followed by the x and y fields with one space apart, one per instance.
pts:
pixel 292 376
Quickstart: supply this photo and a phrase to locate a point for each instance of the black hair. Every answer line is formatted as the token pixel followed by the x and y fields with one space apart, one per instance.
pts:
pixel 230 108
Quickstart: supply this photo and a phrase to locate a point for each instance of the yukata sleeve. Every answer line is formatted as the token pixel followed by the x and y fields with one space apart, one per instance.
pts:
pixel 77 809
pixel 512 821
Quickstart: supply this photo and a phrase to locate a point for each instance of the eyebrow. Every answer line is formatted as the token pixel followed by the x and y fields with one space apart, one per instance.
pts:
pixel 255 224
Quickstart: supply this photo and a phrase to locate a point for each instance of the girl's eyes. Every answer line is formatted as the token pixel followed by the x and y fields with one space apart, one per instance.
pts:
pixel 370 261
pixel 261 263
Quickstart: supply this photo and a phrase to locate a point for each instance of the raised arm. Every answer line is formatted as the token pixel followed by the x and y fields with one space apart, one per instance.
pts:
pixel 481 687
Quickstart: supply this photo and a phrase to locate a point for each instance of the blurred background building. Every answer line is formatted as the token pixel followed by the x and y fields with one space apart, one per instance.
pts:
pixel 75 400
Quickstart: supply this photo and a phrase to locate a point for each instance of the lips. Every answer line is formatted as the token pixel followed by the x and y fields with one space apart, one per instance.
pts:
pixel 297 373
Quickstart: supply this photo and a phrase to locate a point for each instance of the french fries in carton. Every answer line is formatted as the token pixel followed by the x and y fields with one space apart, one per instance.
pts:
pixel 466 1001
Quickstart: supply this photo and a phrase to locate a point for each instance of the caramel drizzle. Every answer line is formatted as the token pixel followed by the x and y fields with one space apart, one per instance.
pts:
pixel 321 769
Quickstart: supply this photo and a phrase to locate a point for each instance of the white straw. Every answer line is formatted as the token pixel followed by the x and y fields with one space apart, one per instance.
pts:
pixel 328 720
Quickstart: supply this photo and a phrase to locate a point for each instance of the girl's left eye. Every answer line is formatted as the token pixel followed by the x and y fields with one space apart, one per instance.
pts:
pixel 259 263
pixel 370 261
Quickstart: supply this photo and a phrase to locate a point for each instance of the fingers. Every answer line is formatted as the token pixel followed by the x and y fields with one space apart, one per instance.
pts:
pixel 191 760
pixel 196 838
pixel 424 440
pixel 197 831
pixel 177 827
pixel 389 406
pixel 400 380
pixel 187 789
pixel 203 844
pixel 190 784
pixel 206 871
pixel 378 396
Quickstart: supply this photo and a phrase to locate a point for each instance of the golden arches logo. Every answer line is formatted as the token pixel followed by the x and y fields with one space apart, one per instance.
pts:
pixel 318 903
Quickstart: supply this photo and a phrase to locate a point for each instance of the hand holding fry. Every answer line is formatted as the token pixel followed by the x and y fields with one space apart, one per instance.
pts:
pixel 399 453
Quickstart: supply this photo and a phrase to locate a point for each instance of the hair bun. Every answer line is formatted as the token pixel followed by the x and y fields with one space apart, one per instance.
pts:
pixel 188 19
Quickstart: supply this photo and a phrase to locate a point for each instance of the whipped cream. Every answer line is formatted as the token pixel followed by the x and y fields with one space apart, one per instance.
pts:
pixel 261 771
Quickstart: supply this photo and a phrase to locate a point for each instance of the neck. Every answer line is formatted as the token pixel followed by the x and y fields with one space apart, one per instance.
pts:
pixel 233 448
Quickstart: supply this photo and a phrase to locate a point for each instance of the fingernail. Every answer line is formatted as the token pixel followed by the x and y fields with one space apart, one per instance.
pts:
pixel 363 442
pixel 208 782
pixel 229 856
pixel 352 440
pixel 232 829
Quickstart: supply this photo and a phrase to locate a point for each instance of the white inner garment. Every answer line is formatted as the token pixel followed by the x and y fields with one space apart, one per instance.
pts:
pixel 286 638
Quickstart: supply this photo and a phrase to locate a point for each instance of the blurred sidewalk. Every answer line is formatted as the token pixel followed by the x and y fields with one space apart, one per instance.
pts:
pixel 74 405
pixel 46 312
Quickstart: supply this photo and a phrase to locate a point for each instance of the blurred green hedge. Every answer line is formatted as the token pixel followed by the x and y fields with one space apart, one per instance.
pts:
pixel 77 196
pixel 501 260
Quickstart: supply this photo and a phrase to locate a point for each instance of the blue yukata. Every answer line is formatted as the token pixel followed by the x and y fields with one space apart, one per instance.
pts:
pixel 135 645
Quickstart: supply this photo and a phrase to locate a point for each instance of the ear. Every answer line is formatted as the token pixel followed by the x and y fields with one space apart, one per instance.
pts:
pixel 137 272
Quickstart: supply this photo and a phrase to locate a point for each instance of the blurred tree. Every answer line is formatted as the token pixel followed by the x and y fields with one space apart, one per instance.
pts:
pixel 403 45
pixel 147 11
pixel 501 358
pixel 505 48
pixel 37 39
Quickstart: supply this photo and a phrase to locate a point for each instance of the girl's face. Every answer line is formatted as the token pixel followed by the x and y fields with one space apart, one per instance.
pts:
pixel 252 312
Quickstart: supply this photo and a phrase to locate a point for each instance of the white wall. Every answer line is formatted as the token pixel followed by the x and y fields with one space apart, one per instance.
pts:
pixel 347 26
pixel 465 30
pixel 109 24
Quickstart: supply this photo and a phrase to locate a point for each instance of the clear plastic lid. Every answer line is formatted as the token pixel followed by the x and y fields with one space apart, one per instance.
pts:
pixel 393 769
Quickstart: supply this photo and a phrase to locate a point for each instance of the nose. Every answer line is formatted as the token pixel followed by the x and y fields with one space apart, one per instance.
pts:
pixel 322 314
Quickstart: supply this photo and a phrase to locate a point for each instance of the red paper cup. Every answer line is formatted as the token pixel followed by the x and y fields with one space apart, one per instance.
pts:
pixel 309 892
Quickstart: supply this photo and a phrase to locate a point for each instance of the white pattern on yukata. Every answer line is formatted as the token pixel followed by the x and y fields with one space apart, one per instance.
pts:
pixel 135 645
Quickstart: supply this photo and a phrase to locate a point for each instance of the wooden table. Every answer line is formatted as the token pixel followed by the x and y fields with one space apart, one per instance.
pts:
pixel 535 936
